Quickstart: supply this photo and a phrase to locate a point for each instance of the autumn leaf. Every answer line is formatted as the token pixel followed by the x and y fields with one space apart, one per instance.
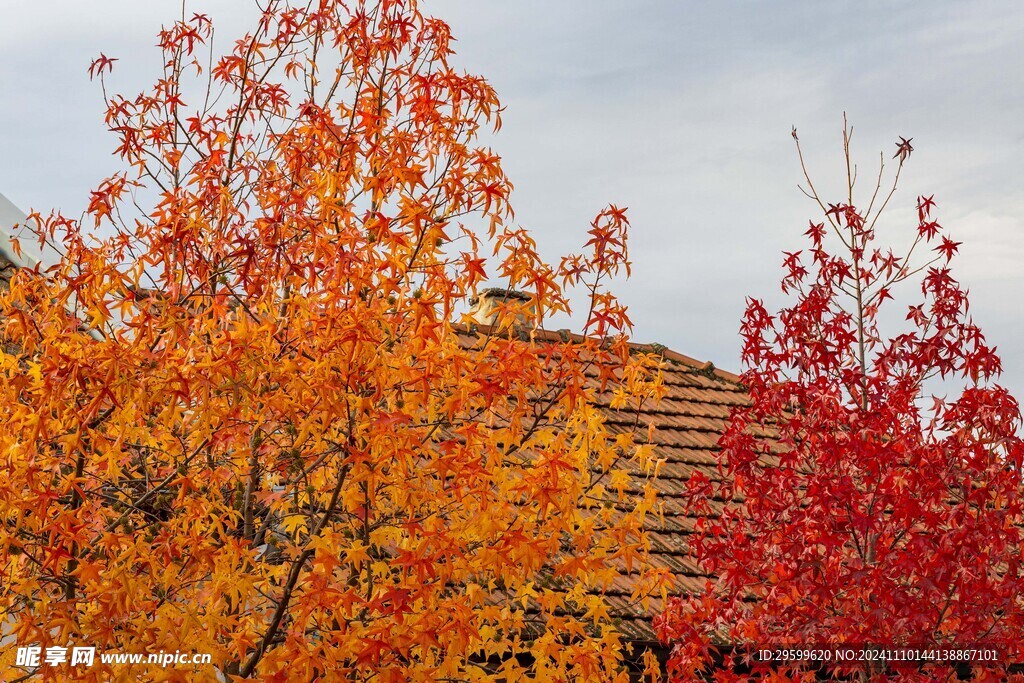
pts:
pixel 100 64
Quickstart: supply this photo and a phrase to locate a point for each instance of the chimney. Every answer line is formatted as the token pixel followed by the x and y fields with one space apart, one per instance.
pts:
pixel 487 307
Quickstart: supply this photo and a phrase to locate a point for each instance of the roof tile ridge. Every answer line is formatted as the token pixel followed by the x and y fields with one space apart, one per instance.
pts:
pixel 705 367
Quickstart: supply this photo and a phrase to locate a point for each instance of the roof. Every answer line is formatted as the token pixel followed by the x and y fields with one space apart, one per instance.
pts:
pixel 687 421
pixel 11 217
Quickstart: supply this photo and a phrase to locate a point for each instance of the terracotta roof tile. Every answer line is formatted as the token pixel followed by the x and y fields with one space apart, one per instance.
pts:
pixel 688 422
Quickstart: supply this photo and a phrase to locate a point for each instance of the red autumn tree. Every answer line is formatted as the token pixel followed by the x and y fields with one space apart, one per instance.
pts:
pixel 244 417
pixel 854 507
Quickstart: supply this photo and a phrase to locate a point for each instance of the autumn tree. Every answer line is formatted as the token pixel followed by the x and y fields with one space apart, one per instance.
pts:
pixel 870 491
pixel 245 415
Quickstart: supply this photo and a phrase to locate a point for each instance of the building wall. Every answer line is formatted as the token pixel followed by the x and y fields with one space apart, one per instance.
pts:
pixel 6 270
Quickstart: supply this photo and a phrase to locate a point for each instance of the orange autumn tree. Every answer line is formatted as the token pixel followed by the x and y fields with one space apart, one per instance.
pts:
pixel 245 416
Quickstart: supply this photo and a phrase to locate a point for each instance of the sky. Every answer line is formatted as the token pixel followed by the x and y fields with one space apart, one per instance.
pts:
pixel 680 111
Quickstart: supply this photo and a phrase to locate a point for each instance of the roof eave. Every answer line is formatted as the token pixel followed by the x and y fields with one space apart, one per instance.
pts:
pixel 11 219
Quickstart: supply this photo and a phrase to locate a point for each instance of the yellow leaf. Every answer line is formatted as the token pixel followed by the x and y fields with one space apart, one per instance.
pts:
pixel 355 553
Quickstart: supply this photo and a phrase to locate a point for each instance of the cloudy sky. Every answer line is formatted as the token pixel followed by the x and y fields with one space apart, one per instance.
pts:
pixel 679 110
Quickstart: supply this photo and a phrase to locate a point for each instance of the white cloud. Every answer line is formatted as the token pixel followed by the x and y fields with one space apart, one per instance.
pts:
pixel 680 111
